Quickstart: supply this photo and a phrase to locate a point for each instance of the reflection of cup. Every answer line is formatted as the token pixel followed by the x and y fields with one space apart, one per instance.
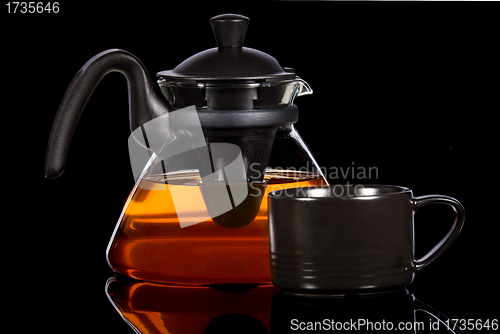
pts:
pixel 395 311
pixel 152 308
pixel 349 238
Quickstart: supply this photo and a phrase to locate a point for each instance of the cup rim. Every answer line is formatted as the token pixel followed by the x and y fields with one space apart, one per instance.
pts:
pixel 341 191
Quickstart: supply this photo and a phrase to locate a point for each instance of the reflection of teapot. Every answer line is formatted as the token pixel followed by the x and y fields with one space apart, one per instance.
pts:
pixel 205 152
pixel 158 308
pixel 152 308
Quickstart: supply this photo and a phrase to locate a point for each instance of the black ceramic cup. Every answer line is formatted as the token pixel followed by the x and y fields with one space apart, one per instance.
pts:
pixel 342 238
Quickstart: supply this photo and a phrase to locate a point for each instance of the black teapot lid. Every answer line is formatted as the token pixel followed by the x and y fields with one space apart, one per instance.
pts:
pixel 230 60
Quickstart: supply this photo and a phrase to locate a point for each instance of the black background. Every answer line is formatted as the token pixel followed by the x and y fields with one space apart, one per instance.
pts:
pixel 409 88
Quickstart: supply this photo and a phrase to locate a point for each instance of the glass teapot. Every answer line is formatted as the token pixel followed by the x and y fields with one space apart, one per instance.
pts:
pixel 205 152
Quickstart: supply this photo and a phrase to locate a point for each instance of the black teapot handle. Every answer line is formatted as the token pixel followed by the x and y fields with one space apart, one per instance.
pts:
pixel 145 101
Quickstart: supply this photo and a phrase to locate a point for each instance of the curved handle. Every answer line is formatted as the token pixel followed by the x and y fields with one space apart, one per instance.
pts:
pixel 145 101
pixel 452 234
pixel 440 317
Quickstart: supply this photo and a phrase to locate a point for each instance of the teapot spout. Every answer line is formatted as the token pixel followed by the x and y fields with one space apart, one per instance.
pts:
pixel 145 101
pixel 304 88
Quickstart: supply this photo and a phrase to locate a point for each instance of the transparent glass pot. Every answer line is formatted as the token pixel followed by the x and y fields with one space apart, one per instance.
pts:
pixel 191 220
pixel 245 95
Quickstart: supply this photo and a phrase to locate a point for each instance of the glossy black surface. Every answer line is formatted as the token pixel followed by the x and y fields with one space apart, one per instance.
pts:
pixel 407 88
pixel 156 308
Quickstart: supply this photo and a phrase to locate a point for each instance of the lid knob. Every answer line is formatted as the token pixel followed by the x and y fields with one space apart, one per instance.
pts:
pixel 229 30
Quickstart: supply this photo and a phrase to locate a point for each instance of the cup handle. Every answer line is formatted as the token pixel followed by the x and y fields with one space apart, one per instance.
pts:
pixel 422 307
pixel 452 234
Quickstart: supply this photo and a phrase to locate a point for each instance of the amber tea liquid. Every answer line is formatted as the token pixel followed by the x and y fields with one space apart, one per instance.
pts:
pixel 149 243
